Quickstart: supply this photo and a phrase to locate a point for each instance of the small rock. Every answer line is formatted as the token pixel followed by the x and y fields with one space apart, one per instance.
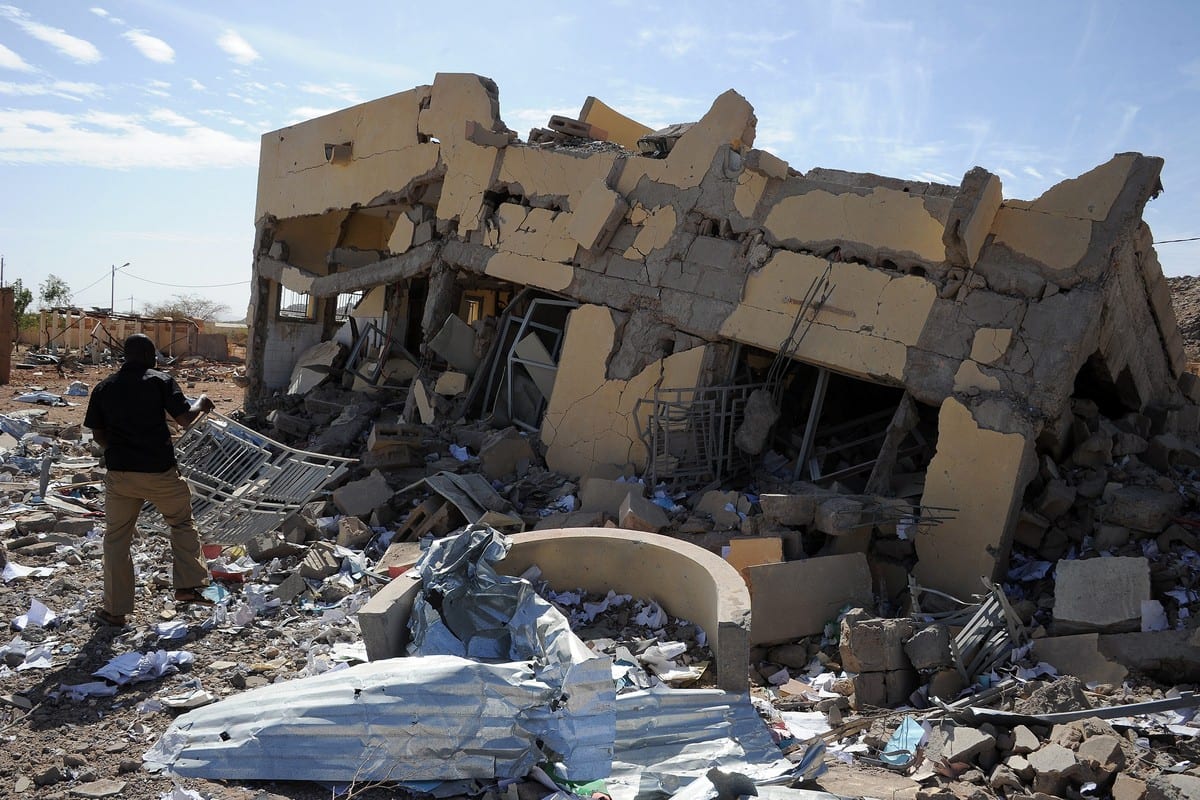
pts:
pixel 49 776
pixel 102 788
pixel 1024 740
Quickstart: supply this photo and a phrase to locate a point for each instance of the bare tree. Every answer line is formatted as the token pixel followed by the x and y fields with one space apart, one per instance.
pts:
pixel 194 306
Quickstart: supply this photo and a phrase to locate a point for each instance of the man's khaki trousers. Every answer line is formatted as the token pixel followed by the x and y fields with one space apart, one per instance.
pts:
pixel 124 495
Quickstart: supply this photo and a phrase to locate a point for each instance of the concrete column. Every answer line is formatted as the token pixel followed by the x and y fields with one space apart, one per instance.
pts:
pixel 8 329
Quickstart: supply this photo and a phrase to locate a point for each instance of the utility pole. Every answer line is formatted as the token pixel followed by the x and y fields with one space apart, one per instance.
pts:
pixel 112 294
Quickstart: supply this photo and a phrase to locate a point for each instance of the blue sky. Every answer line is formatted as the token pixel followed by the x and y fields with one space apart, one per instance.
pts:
pixel 129 129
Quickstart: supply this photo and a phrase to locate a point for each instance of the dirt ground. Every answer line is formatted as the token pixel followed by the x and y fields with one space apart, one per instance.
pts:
pixel 57 747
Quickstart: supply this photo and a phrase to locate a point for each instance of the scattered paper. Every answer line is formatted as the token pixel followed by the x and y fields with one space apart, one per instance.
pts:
pixel 38 615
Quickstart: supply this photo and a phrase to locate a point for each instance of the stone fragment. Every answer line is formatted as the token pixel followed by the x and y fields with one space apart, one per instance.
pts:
pixel 793 510
pixel 760 416
pixel 291 587
pixel 101 788
pixel 361 497
pixel 455 342
pixel 875 645
pixel 1004 779
pixel 946 684
pixel 961 742
pixel 838 516
pixel 1024 741
pixel 37 522
pixel 1103 754
pixel 1142 508
pixel 929 648
pixel 1110 537
pixel 504 453
pixel 451 383
pixel 353 533
pixel 723 507
pixel 1064 694
pixel 1173 787
pixel 1095 451
pixel 636 513
pixel 1056 499
pixel 601 494
pixel 1123 583
pixel 320 562
pixel 1053 766
pixel 1127 787
pixel 791 655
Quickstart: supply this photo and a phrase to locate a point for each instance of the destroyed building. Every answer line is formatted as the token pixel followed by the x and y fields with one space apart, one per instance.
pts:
pixel 684 304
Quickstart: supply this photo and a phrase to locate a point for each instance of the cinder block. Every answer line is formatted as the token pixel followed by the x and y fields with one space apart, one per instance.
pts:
pixel 320 562
pixel 1100 594
pixel 361 497
pixel 884 689
pixel 875 645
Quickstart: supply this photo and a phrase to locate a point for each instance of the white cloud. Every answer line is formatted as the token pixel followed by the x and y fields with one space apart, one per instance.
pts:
pixel 10 60
pixel 99 12
pixel 79 50
pixel 151 47
pixel 237 48
pixel 172 118
pixel 118 141
pixel 673 42
pixel 1033 173
pixel 68 90
pixel 338 91
pixel 196 85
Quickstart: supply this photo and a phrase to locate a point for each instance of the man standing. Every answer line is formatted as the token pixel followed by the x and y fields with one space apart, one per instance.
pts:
pixel 127 414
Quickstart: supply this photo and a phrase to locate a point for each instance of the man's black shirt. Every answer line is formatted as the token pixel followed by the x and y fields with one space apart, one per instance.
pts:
pixel 130 406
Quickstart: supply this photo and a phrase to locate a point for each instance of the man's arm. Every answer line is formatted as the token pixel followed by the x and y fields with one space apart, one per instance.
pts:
pixel 101 437
pixel 201 405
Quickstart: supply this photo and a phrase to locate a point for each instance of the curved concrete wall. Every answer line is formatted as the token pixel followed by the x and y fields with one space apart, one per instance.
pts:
pixel 686 580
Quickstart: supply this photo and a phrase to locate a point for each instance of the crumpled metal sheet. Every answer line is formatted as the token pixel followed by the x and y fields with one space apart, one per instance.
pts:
pixel 400 719
pixel 482 614
pixel 668 738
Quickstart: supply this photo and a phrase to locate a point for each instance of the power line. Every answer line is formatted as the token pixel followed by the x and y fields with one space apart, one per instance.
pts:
pixel 1173 241
pixel 185 286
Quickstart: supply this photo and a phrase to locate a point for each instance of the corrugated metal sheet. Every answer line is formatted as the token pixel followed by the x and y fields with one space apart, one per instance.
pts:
pixel 401 719
pixel 666 739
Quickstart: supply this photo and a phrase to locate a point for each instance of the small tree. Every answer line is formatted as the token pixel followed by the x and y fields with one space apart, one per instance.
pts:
pixel 194 306
pixel 54 292
pixel 22 297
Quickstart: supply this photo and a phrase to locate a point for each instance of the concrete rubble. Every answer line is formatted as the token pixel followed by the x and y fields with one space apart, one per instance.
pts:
pixel 914 418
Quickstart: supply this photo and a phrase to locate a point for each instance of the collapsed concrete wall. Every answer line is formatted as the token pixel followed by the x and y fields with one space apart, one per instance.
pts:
pixel 984 309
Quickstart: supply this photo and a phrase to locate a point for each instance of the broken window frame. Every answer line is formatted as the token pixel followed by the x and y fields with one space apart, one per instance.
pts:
pixel 243 483
pixel 345 304
pixel 502 357
pixel 374 336
pixel 282 309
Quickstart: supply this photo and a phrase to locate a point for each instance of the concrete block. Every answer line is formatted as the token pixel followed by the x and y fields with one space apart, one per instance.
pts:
pixel 1095 451
pixel 361 497
pixel 875 645
pixel 320 562
pixel 398 558
pixel 1056 499
pixel 929 648
pixel 1142 508
pixel 961 743
pixel 290 588
pixel 749 552
pixel 837 516
pixel 766 164
pixel 1173 787
pixel 504 453
pixel 270 545
pixel 884 689
pixel 597 216
pixel 1024 740
pixel 451 383
pixel 601 494
pixel 637 513
pixel 798 598
pixel 37 522
pixel 455 342
pixel 1168 656
pixel 1079 655
pixel 1110 537
pixel 794 510
pixel 946 684
pixel 718 504
pixel 1167 450
pixel 1121 583
pixel 353 533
